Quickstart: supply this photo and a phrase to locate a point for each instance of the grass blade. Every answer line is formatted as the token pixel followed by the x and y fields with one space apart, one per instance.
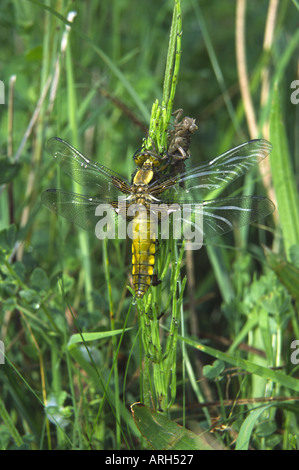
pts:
pixel 283 176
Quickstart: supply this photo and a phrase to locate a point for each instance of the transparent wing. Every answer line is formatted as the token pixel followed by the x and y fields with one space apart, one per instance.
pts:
pixel 95 177
pixel 76 208
pixel 86 211
pixel 224 214
pixel 210 218
pixel 218 216
pixel 214 173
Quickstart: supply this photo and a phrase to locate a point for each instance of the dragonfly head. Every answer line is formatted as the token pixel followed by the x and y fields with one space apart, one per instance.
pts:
pixel 147 158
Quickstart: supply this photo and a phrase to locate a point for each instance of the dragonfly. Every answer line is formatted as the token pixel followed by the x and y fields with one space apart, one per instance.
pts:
pixel 153 195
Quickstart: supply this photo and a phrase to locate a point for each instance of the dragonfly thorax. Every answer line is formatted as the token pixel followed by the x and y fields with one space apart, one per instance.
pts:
pixel 141 193
pixel 143 178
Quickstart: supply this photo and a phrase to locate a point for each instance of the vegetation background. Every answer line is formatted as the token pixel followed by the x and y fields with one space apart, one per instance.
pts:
pixel 94 85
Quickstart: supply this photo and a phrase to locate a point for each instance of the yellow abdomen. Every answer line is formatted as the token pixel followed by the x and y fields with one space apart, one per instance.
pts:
pixel 143 255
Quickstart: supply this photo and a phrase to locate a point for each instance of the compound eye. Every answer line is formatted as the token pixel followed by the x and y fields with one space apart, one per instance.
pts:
pixel 139 159
pixel 155 161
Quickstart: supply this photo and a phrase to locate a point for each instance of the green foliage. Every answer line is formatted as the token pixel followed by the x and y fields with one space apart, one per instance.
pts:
pixel 214 336
pixel 163 434
pixel 8 171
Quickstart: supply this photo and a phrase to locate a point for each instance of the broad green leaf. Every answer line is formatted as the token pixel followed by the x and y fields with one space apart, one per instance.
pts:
pixel 8 171
pixel 30 296
pixel 213 370
pixel 247 428
pixel 39 280
pixel 163 434
pixel 85 337
pixel 7 238
pixel 266 428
